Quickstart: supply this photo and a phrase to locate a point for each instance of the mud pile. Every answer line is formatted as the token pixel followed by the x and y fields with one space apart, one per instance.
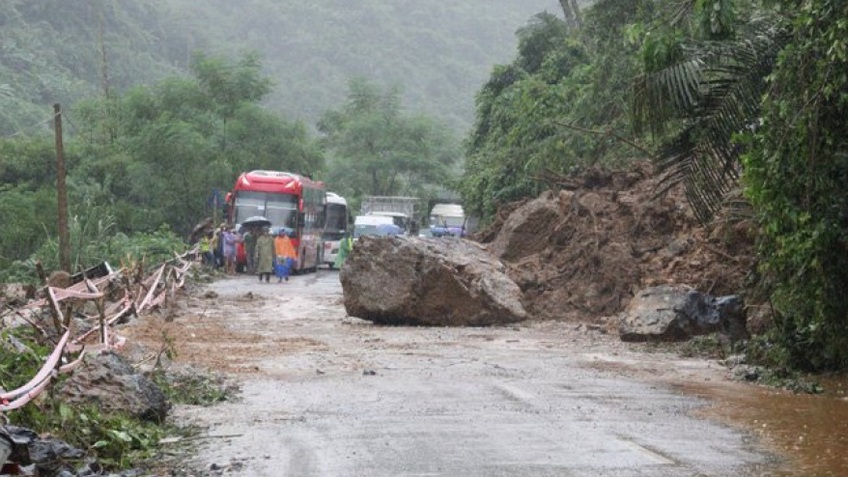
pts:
pixel 582 254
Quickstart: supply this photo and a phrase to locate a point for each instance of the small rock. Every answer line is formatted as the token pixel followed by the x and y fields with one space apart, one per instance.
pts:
pixel 369 372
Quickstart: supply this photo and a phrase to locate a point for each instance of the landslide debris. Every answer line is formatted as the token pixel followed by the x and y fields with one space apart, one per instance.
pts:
pixel 428 282
pixel 582 254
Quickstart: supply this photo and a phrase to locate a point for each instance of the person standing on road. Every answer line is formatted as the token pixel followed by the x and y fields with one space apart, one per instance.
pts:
pixel 250 237
pixel 345 247
pixel 229 239
pixel 218 246
pixel 264 255
pixel 285 255
pixel 205 248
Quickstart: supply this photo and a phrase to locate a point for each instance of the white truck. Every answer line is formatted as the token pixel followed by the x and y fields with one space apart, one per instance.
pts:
pixel 448 219
pixel 400 209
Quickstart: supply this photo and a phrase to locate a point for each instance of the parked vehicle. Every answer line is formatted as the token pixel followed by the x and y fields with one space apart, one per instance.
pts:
pixel 448 219
pixel 286 200
pixel 335 228
pixel 374 225
pixel 400 209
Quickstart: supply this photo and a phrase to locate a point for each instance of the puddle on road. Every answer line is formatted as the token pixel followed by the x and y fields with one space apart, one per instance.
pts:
pixel 810 431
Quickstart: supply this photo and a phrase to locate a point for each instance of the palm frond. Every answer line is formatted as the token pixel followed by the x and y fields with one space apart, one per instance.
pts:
pixel 714 94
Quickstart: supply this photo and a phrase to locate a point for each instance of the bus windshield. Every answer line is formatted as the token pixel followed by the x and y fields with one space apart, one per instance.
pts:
pixel 336 221
pixel 278 208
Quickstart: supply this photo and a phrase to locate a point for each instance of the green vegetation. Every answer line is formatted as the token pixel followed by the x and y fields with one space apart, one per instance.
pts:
pixel 439 52
pixel 533 114
pixel 193 389
pixel 116 440
pixel 376 149
pixel 795 174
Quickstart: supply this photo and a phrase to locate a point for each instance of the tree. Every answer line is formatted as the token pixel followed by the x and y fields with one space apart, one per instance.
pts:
pixel 795 175
pixel 179 139
pixel 572 13
pixel 533 114
pixel 377 150
pixel 695 95
pixel 230 86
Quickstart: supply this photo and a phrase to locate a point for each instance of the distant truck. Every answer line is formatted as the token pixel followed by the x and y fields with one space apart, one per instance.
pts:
pixel 400 209
pixel 448 219
pixel 374 225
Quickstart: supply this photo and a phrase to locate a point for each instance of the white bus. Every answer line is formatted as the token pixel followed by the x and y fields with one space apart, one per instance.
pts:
pixel 335 226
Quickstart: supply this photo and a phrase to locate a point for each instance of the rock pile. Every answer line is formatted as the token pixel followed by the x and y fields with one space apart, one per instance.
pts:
pixel 583 254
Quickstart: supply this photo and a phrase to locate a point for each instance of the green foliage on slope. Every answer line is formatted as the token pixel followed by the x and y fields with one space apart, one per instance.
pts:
pixel 53 51
pixel 796 175
pixel 437 52
pixel 377 149
pixel 533 115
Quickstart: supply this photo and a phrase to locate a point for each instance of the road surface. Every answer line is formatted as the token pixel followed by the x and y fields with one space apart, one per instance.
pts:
pixel 327 395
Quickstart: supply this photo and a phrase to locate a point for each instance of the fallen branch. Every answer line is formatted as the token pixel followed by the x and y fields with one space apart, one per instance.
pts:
pixel 608 133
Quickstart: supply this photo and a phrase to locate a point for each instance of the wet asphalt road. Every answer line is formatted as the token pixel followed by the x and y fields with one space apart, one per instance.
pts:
pixel 533 400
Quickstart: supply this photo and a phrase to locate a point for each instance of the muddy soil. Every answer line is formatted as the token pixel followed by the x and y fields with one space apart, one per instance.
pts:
pixel 582 254
pixel 324 394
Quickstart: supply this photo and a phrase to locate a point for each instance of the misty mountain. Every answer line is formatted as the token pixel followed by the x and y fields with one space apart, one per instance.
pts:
pixel 438 53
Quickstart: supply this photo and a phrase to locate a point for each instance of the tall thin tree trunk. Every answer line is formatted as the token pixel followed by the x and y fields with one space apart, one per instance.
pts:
pixel 572 13
pixel 61 194
pixel 575 8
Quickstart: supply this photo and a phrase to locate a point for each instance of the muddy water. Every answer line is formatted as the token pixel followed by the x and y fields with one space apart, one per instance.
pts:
pixel 809 431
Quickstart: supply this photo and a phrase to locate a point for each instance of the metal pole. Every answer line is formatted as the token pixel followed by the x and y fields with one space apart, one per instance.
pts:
pixel 62 194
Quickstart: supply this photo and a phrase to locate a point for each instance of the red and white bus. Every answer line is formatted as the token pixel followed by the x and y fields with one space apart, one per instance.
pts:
pixel 290 201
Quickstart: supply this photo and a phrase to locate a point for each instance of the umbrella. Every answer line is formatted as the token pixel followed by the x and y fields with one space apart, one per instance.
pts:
pixel 256 221
pixel 282 230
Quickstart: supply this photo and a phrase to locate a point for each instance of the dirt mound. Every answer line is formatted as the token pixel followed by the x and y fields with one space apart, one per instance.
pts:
pixel 582 254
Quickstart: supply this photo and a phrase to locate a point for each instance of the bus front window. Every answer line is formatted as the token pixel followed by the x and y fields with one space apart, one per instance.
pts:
pixel 278 208
pixel 336 222
pixel 282 214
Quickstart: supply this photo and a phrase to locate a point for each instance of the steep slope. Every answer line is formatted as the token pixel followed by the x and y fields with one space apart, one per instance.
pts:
pixel 582 254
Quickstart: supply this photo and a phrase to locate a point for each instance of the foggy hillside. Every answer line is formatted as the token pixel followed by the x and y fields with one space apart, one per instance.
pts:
pixel 438 52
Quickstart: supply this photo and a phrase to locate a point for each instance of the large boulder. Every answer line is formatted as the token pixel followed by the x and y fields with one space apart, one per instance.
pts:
pixel 679 312
pixel 527 230
pixel 110 382
pixel 428 281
